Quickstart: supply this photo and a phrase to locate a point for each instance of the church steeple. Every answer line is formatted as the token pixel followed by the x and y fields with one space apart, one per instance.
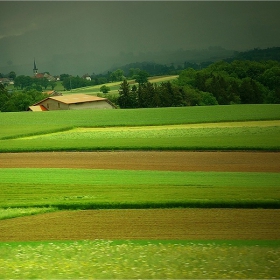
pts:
pixel 35 69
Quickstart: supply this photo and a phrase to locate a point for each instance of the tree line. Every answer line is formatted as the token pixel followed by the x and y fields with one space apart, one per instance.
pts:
pixel 238 82
pixel 28 83
pixel 167 94
pixel 69 82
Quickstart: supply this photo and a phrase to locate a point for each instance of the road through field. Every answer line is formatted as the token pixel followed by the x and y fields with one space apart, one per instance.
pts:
pixel 147 160
pixel 143 224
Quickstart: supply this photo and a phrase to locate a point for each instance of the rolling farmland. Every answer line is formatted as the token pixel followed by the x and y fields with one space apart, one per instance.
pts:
pixel 175 202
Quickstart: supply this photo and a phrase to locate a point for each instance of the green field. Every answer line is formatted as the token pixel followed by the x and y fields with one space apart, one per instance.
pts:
pixel 140 260
pixel 261 135
pixel 29 191
pixel 121 132
pixel 93 189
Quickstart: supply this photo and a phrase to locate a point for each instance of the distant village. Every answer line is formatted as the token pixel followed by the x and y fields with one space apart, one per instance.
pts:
pixel 49 100
pixel 10 80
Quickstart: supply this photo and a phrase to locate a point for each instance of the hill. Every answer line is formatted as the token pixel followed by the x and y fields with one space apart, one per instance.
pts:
pixel 169 63
pixel 257 55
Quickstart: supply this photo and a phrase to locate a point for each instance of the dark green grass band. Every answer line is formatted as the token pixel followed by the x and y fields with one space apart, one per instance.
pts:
pixel 246 204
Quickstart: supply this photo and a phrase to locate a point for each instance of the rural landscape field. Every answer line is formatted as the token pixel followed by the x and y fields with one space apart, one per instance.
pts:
pixel 187 192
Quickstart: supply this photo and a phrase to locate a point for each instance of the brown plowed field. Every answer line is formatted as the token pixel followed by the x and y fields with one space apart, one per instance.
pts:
pixel 162 224
pixel 192 224
pixel 181 161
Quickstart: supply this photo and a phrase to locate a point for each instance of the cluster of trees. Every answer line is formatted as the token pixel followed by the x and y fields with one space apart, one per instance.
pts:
pixel 257 54
pixel 11 75
pixel 240 81
pixel 199 60
pixel 29 83
pixel 18 101
pixel 75 82
pixel 154 69
pixel 70 82
pixel 148 95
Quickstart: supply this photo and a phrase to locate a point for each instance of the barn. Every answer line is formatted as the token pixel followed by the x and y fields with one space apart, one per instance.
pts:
pixel 72 102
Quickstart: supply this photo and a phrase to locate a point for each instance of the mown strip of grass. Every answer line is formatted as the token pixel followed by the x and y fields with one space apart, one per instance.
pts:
pixel 104 259
pixel 96 189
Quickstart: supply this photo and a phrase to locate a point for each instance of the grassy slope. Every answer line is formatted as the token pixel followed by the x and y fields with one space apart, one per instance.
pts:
pixel 14 125
pixel 90 189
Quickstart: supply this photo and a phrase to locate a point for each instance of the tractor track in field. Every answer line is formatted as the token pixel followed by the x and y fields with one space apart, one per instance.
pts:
pixel 147 160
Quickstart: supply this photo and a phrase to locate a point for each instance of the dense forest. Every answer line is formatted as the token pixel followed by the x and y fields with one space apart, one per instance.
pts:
pixel 238 82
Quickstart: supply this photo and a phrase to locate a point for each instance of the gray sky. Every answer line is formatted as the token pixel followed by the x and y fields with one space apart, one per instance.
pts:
pixel 79 37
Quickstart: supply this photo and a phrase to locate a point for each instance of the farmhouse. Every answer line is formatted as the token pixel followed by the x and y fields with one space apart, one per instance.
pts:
pixel 72 102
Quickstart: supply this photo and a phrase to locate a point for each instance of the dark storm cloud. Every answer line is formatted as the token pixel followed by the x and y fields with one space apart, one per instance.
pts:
pixel 79 37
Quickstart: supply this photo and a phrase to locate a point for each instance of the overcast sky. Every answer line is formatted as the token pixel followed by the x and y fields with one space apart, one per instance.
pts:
pixel 77 37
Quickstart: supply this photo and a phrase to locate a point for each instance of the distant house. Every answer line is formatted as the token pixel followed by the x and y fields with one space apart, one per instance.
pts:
pixel 39 76
pixel 46 75
pixel 5 81
pixel 72 102
pixel 86 77
pixel 50 78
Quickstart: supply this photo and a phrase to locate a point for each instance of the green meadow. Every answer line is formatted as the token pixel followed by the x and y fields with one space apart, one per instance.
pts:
pixel 102 259
pixel 135 128
pixel 262 135
pixel 93 189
